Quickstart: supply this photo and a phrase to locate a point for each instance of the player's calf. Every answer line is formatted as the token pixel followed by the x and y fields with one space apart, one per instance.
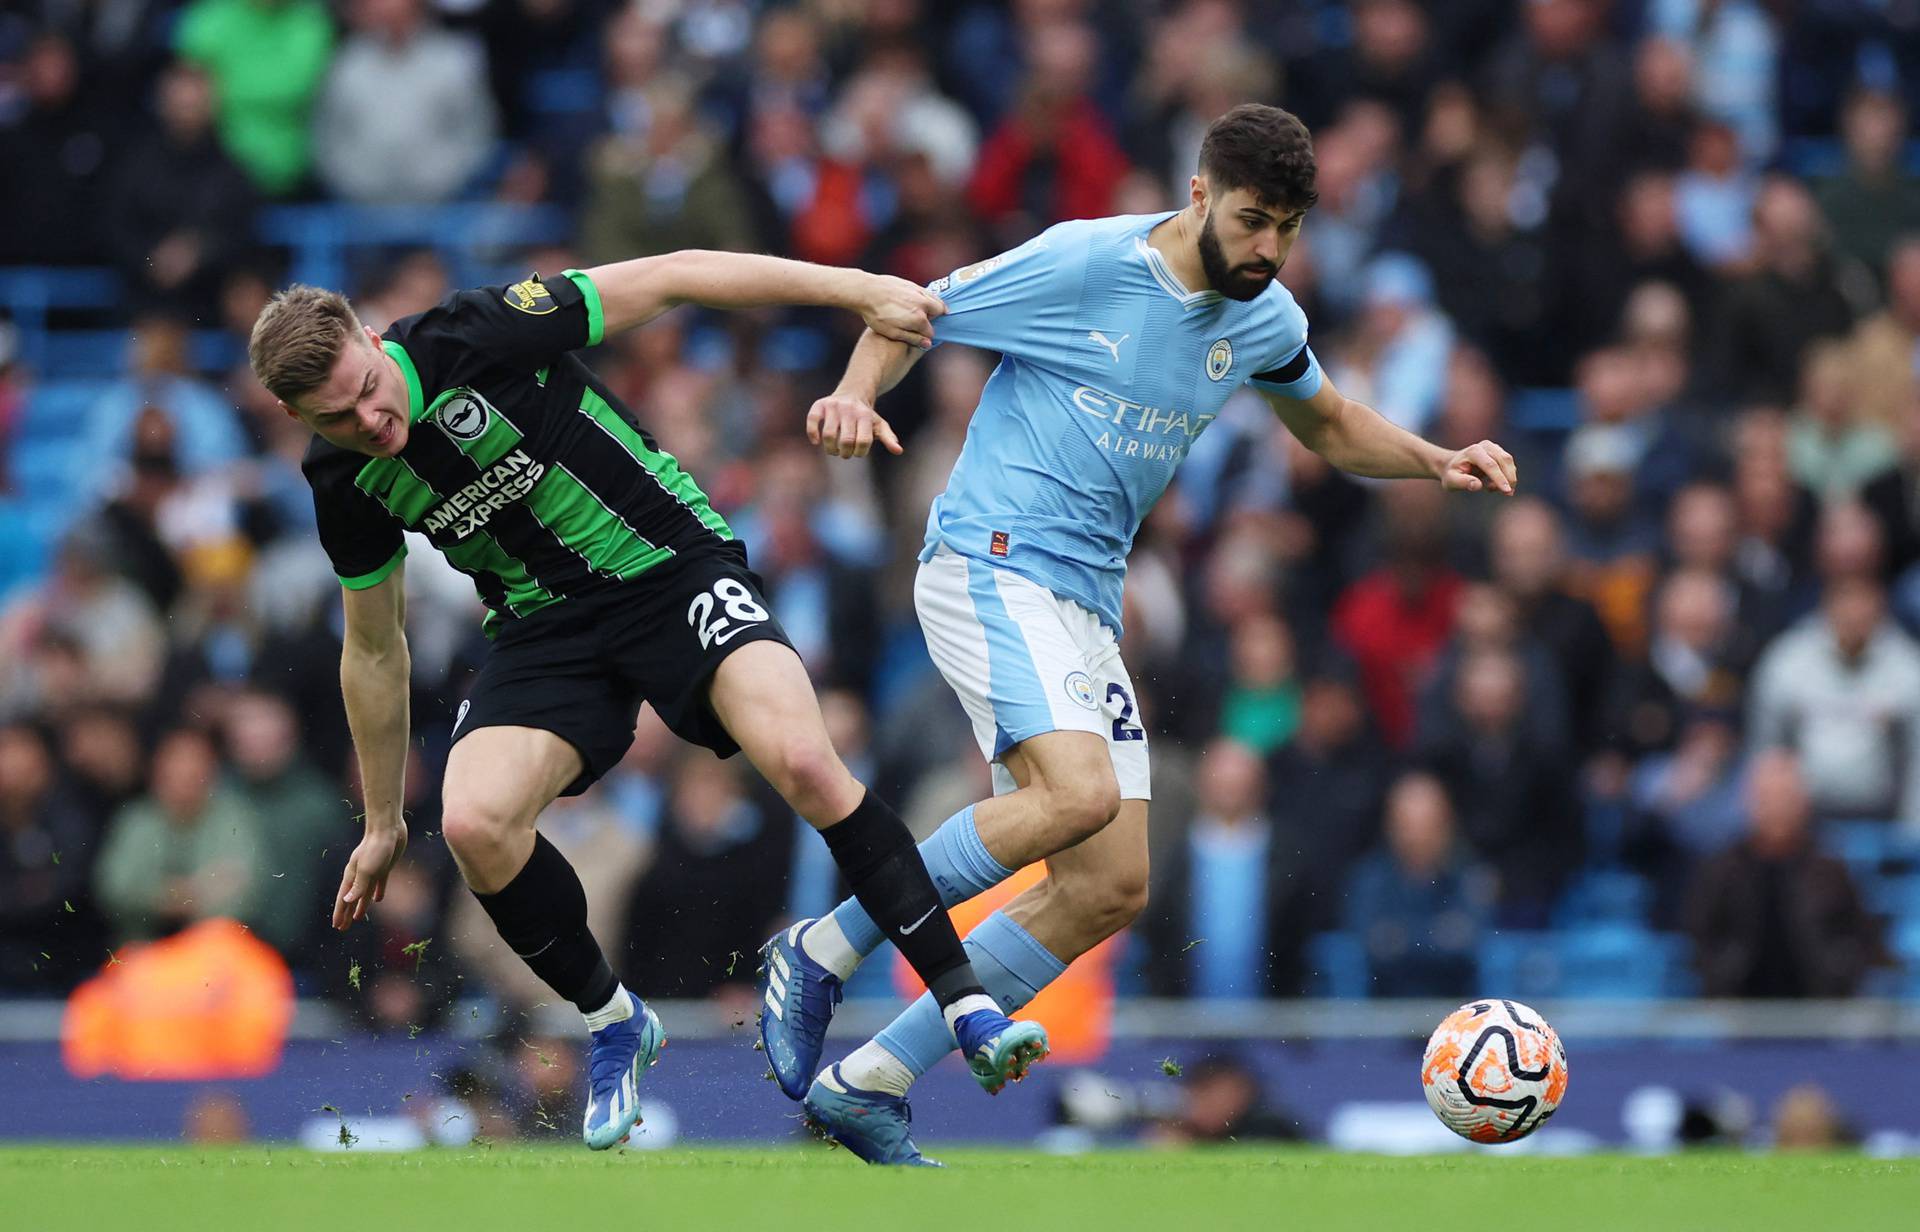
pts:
pixel 1101 903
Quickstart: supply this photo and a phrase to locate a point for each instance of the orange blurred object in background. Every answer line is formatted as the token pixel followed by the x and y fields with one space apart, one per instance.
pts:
pixel 212 1001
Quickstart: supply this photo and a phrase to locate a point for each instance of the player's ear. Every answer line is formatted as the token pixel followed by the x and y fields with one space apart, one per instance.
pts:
pixel 291 413
pixel 1197 190
pixel 373 335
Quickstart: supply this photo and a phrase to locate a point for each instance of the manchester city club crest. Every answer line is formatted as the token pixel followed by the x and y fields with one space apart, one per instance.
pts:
pixel 1219 360
pixel 464 416
pixel 1080 689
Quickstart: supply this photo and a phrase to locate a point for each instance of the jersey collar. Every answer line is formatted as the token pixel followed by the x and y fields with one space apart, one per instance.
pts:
pixel 416 401
pixel 1163 273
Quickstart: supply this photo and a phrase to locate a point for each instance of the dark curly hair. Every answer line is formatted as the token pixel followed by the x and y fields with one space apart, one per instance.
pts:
pixel 1265 149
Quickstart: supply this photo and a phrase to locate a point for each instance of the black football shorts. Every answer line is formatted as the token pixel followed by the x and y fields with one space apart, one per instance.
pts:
pixel 582 667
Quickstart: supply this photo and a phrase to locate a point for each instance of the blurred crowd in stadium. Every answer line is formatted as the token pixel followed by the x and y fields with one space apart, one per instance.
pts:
pixel 1651 728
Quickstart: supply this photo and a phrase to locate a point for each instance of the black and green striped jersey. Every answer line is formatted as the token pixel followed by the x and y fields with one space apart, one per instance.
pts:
pixel 519 466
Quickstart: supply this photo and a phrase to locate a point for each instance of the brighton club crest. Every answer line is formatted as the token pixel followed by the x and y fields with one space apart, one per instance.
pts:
pixel 464 416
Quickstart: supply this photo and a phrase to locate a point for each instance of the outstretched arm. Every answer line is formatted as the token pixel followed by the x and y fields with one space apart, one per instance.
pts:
pixel 634 292
pixel 844 422
pixel 375 681
pixel 1359 440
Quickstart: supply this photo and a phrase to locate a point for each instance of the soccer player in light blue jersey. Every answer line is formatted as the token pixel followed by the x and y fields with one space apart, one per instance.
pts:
pixel 1120 339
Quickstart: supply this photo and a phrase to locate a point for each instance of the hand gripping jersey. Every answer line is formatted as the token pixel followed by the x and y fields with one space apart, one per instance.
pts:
pixel 519 466
pixel 1109 370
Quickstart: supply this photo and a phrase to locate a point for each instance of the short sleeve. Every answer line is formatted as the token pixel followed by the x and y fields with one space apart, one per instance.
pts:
pixel 1011 303
pixel 1290 368
pixel 364 541
pixel 524 324
pixel 1298 377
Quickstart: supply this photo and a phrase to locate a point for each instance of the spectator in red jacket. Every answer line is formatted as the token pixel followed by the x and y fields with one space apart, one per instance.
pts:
pixel 1396 620
pixel 1055 156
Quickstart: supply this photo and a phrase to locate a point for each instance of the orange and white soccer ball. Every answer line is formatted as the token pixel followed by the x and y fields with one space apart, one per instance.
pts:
pixel 1494 1071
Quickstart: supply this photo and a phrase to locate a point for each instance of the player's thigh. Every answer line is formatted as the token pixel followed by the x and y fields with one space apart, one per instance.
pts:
pixel 1113 761
pixel 542 676
pixel 1003 646
pixel 1126 732
pixel 710 655
pixel 763 697
pixel 1058 761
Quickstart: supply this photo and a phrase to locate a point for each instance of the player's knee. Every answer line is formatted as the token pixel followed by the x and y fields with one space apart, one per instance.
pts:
pixel 471 830
pixel 811 776
pixel 1083 806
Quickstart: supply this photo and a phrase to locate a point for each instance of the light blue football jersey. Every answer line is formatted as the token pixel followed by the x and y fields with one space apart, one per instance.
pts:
pixel 1109 370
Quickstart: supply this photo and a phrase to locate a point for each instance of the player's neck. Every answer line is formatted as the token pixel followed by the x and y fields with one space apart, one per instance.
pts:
pixel 1178 241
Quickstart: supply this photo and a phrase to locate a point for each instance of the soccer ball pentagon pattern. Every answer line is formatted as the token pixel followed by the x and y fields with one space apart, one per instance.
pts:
pixel 1494 1071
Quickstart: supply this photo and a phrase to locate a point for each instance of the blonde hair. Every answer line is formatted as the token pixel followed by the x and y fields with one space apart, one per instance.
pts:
pixel 298 338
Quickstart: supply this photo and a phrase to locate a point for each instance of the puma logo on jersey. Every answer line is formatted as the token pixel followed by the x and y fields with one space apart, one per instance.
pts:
pixel 1112 344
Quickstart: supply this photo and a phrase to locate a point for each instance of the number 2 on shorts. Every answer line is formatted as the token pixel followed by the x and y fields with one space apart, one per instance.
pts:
pixel 1124 728
pixel 735 601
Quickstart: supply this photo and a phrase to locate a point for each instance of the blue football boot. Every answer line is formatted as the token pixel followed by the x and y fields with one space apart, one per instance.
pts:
pixel 874 1126
pixel 797 996
pixel 618 1058
pixel 998 1049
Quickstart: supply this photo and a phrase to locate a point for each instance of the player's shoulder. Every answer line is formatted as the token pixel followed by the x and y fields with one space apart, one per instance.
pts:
pixel 327 466
pixel 1275 311
pixel 1111 225
pixel 1116 230
pixel 448 340
pixel 448 324
pixel 1277 301
pixel 472 316
pixel 1067 248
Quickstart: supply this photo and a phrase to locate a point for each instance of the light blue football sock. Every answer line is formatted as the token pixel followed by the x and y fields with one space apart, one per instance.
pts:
pixel 960 865
pixel 1010 963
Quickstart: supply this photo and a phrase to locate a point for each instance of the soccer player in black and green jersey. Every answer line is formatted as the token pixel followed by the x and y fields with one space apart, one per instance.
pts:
pixel 609 581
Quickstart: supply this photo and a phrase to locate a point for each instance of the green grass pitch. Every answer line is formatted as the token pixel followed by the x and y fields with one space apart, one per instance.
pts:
pixel 160 1189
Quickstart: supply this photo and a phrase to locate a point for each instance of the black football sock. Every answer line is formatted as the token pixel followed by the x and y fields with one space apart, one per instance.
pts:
pixel 876 852
pixel 542 916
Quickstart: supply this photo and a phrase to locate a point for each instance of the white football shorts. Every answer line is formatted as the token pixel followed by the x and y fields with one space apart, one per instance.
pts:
pixel 1026 661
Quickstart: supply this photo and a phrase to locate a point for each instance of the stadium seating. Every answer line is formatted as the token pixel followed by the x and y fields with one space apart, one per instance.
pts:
pixel 21 549
pixel 1604 896
pixel 321 240
pixel 32 296
pixel 103 352
pixel 1337 965
pixel 1614 961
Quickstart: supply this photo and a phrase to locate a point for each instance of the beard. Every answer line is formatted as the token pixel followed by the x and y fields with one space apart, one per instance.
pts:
pixel 1242 282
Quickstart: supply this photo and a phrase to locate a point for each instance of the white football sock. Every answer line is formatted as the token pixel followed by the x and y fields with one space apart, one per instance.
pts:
pixel 619 1009
pixel 964 1006
pixel 825 943
pixel 873 1068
